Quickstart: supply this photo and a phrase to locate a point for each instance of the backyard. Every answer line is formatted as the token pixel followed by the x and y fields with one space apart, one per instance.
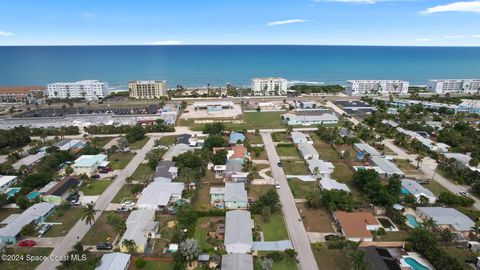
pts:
pixel 203 227
pixel 274 229
pixel 331 259
pixel 95 187
pixel 119 160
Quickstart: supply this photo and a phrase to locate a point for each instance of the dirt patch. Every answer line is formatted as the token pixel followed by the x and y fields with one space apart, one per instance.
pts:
pixel 315 220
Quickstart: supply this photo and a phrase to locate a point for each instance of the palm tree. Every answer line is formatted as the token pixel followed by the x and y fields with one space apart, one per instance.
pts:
pixel 359 260
pixel 130 245
pixel 89 213
pixel 429 224
pixel 419 159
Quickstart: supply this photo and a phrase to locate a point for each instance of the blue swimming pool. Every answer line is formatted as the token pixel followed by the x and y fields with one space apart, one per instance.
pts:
pixel 12 191
pixel 405 191
pixel 415 264
pixel 32 195
pixel 412 221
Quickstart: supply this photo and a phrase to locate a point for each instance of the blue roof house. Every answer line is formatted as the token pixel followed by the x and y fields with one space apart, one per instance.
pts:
pixel 235 137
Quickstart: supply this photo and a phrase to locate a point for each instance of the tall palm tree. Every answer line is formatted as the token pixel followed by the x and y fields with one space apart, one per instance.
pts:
pixel 419 159
pixel 89 213
pixel 130 245
pixel 429 224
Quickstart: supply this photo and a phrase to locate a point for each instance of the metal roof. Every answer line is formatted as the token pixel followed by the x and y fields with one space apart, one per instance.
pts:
pixel 139 224
pixel 448 216
pixel 238 227
pixel 34 212
pixel 114 261
pixel 237 261
pixel 158 194
pixel 364 147
pixel 235 192
pixel 307 149
pixel 414 188
pixel 89 160
pixel 387 166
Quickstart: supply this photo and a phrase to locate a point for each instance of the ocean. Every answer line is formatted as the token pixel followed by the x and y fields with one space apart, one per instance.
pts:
pixel 219 65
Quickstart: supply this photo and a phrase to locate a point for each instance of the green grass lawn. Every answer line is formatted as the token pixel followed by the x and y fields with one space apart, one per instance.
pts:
pixel 256 191
pixel 67 217
pixel 124 193
pixel 331 259
pixel 342 173
pixel 101 231
pixel 281 265
pixel 395 236
pixel 263 120
pixel 288 150
pixel 139 144
pixel 435 187
pixel 275 229
pixel 95 187
pixel 292 167
pixel 254 138
pixel 327 153
pixel 24 264
pixel 166 140
pixel 102 141
pixel 142 173
pixel 300 188
pixel 279 136
pixel 154 265
pixel 119 161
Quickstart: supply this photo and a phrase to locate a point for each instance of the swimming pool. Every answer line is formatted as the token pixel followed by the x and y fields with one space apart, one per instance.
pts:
pixel 32 195
pixel 415 264
pixel 405 191
pixel 12 191
pixel 412 221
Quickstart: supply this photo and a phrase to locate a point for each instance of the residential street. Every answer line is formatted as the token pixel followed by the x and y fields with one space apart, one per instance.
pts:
pixel 80 228
pixel 296 230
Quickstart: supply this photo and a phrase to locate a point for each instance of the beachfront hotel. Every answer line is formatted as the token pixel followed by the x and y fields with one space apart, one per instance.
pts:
pixel 88 89
pixel 271 86
pixel 454 86
pixel 383 87
pixel 147 89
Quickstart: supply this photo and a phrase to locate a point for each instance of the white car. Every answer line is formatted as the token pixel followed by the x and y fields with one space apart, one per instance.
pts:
pixel 128 204
pixel 277 185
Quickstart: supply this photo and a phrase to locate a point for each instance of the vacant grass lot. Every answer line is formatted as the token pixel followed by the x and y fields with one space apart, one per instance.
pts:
pixel 263 120
pixel 287 150
pixel 331 259
pixel 281 265
pixel 315 220
pixel 256 191
pixel 435 187
pixel 139 144
pixel 24 264
pixel 142 173
pixel 254 138
pixel 101 231
pixel 342 173
pixel 274 229
pixel 300 188
pixel 154 265
pixel 95 187
pixel 292 167
pixel 166 141
pixel 279 136
pixel 67 217
pixel 119 161
pixel 125 193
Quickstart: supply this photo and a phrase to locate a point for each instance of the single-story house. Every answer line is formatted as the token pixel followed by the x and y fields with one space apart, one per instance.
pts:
pixel 300 137
pixel 35 214
pixel 380 258
pixel 59 193
pixel 158 195
pixel 307 151
pixel 141 225
pixel 237 261
pixel 331 184
pixel 165 171
pixel 386 166
pixel 357 226
pixel 6 181
pixel 176 150
pixel 88 164
pixel 236 137
pixel 233 171
pixel 237 151
pixel 308 120
pixel 449 218
pixel 70 145
pixel 235 196
pixel 238 231
pixel 410 186
pixel 366 149
pixel 320 169
pixel 433 146
pixel 28 161
pixel 114 261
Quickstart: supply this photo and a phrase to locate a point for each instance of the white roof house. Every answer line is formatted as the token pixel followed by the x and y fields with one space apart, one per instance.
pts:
pixel 7 181
pixel 324 168
pixel 300 137
pixel 417 190
pixel 159 194
pixel 331 184
pixel 433 146
pixel 237 261
pixel 28 160
pixel 366 148
pixel 388 167
pixel 88 164
pixel 238 231
pixel 235 195
pixel 307 151
pixel 140 226
pixel 176 150
pixel 308 120
pixel 114 261
pixel 449 217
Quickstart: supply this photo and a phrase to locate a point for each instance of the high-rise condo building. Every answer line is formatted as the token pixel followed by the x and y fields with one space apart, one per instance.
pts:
pixel 88 89
pixel 454 86
pixel 383 87
pixel 147 89
pixel 269 86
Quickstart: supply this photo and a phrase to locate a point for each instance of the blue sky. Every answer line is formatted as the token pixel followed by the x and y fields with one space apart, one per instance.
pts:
pixel 323 22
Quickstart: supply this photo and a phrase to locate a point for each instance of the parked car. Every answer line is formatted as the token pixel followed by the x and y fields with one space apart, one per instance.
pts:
pixel 332 237
pixel 280 164
pixel 44 228
pixel 464 194
pixel 277 185
pixel 75 202
pixel 122 209
pixel 104 246
pixel 27 243
pixel 104 171
pixel 96 176
pixel 128 203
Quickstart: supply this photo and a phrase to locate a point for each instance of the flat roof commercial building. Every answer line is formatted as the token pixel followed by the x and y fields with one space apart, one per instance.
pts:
pixel 21 93
pixel 87 89
pixel 147 89
pixel 269 86
pixel 383 87
pixel 238 231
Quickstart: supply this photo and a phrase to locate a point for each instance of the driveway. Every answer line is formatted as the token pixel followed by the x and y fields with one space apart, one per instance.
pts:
pixel 50 242
pixel 296 230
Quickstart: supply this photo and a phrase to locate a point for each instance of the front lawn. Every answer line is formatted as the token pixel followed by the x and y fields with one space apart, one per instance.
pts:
pixel 142 173
pixel 295 167
pixel 101 231
pixel 281 265
pixel 287 150
pixel 166 140
pixel 24 264
pixel 154 265
pixel 300 188
pixel 95 187
pixel 119 161
pixel 67 217
pixel 274 229
pixel 139 144
pixel 126 192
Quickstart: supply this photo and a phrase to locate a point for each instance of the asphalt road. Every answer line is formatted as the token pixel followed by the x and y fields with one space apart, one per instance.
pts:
pixel 296 230
pixel 80 228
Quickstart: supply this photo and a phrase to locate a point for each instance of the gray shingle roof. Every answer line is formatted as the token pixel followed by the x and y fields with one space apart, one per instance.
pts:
pixel 235 192
pixel 238 227
pixel 364 147
pixel 387 166
pixel 448 216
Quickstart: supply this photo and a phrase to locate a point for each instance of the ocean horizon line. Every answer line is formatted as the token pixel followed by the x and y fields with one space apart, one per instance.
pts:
pixel 241 45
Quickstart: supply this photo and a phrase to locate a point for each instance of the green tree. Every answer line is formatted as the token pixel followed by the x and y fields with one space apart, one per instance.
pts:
pixel 359 260
pixel 216 128
pixel 130 245
pixel 189 249
pixel 89 213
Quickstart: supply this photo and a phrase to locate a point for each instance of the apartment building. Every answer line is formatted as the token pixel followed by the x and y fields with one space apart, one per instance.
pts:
pixel 147 89
pixel 21 93
pixel 383 87
pixel 454 86
pixel 271 86
pixel 87 89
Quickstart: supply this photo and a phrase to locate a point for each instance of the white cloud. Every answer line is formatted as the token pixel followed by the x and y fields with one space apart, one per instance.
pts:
pixel 422 39
pixel 3 33
pixel 476 36
pixel 166 42
pixel 471 6
pixel 454 36
pixel 286 22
